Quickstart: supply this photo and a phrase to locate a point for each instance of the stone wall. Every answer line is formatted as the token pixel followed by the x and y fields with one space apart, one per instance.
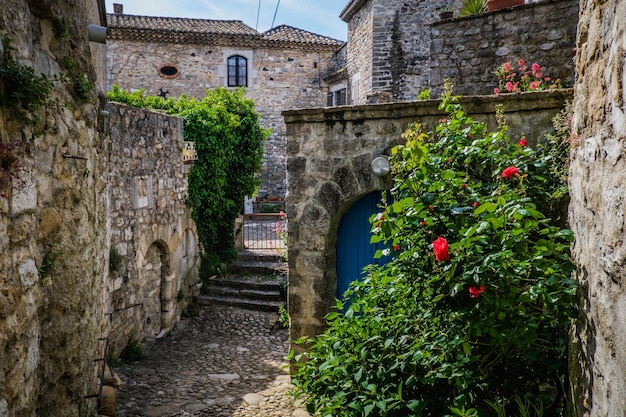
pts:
pixel 279 79
pixel 329 155
pixel 359 54
pixel 53 211
pixel 598 210
pixel 468 50
pixel 151 227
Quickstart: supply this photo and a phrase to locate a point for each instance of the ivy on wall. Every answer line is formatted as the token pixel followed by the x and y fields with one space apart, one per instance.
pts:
pixel 229 139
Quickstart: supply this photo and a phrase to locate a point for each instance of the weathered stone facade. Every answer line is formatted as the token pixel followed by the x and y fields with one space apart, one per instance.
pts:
pixel 467 50
pixel 329 156
pixel 151 227
pixel 53 229
pixel 396 49
pixel 285 67
pixel 598 210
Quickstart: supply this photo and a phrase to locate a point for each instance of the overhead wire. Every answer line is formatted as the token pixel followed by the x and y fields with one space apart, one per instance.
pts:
pixel 258 13
pixel 275 13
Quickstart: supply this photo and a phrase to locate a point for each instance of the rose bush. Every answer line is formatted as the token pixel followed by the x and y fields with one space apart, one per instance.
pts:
pixel 483 320
pixel 523 79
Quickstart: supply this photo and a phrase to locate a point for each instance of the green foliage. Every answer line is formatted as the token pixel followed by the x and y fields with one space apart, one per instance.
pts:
pixel 424 94
pixel 24 91
pixel 283 317
pixel 81 87
pixel 488 321
pixel 115 259
pixel 225 128
pixel 470 7
pixel 48 264
pixel 132 352
pixel 61 28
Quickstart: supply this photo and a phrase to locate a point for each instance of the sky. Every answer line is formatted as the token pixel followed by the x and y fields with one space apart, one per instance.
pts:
pixel 317 16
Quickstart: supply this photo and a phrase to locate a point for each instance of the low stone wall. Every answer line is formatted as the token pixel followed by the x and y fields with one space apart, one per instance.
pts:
pixel 329 155
pixel 151 228
pixel 468 50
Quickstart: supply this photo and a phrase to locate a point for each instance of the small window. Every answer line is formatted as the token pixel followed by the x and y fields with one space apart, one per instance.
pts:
pixel 237 71
pixel 169 71
pixel 329 99
pixel 340 97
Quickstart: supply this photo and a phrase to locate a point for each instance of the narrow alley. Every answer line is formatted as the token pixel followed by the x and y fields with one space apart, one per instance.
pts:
pixel 224 362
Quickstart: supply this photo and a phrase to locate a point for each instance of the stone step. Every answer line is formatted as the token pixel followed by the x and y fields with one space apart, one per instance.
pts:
pixel 259 256
pixel 249 294
pixel 257 305
pixel 252 282
pixel 258 267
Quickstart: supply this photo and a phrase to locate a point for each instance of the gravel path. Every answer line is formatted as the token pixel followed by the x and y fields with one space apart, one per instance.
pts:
pixel 225 362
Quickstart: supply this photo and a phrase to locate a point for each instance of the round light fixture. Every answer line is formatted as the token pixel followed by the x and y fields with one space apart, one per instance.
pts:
pixel 380 166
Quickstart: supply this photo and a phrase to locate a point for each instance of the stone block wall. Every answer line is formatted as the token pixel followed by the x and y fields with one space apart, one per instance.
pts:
pixel 53 211
pixel 279 79
pixel 329 156
pixel 359 54
pixel 598 211
pixel 468 50
pixel 151 227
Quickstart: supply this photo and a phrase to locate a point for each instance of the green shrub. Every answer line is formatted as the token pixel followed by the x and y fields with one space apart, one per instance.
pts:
pixel 476 303
pixel 229 140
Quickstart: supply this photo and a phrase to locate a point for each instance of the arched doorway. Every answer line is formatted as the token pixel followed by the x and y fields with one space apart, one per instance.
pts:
pixel 354 250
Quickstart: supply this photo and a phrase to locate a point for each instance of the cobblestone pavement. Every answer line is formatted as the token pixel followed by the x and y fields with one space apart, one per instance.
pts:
pixel 225 362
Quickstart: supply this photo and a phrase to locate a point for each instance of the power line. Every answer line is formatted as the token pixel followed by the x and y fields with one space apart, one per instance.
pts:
pixel 276 12
pixel 258 13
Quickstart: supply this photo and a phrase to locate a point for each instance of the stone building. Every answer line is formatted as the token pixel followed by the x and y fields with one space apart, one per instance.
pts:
pixel 396 49
pixel 53 211
pixel 281 69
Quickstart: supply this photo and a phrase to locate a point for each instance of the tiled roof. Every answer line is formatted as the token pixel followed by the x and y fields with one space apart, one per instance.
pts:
pixel 179 25
pixel 231 32
pixel 290 34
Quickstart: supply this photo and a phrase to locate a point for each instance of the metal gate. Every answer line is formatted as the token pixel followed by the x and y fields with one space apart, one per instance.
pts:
pixel 354 250
pixel 264 231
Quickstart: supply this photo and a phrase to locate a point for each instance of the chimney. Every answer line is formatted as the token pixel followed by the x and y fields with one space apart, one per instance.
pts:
pixel 118 8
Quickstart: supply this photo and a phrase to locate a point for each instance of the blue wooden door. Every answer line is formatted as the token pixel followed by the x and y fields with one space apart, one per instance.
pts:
pixel 354 250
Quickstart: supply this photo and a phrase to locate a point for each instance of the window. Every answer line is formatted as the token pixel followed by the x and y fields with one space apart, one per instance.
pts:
pixel 169 71
pixel 336 97
pixel 237 71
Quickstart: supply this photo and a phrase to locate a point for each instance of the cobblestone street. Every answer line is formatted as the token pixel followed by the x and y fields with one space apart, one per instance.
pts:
pixel 225 362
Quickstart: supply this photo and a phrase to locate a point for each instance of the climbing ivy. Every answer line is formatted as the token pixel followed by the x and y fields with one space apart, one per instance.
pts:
pixel 229 139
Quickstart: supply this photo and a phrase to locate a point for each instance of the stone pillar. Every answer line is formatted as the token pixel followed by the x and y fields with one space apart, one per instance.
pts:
pixel 597 211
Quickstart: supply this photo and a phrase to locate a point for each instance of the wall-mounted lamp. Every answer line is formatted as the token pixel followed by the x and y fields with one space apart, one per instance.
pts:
pixel 380 166
pixel 97 33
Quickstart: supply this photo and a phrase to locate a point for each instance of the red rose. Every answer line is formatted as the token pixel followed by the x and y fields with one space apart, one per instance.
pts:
pixel 396 247
pixel 522 142
pixel 463 186
pixel 423 223
pixel 475 204
pixel 440 247
pixel 431 208
pixel 509 172
pixel 475 292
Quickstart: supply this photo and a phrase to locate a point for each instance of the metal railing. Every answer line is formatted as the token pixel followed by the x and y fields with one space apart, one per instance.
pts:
pixel 264 231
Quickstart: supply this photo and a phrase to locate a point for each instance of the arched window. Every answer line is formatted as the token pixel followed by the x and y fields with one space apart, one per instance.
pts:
pixel 237 71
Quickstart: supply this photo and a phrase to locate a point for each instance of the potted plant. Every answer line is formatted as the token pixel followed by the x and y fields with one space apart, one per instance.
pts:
pixel 471 7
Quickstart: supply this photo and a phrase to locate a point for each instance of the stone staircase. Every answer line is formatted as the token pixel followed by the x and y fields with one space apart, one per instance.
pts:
pixel 257 281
